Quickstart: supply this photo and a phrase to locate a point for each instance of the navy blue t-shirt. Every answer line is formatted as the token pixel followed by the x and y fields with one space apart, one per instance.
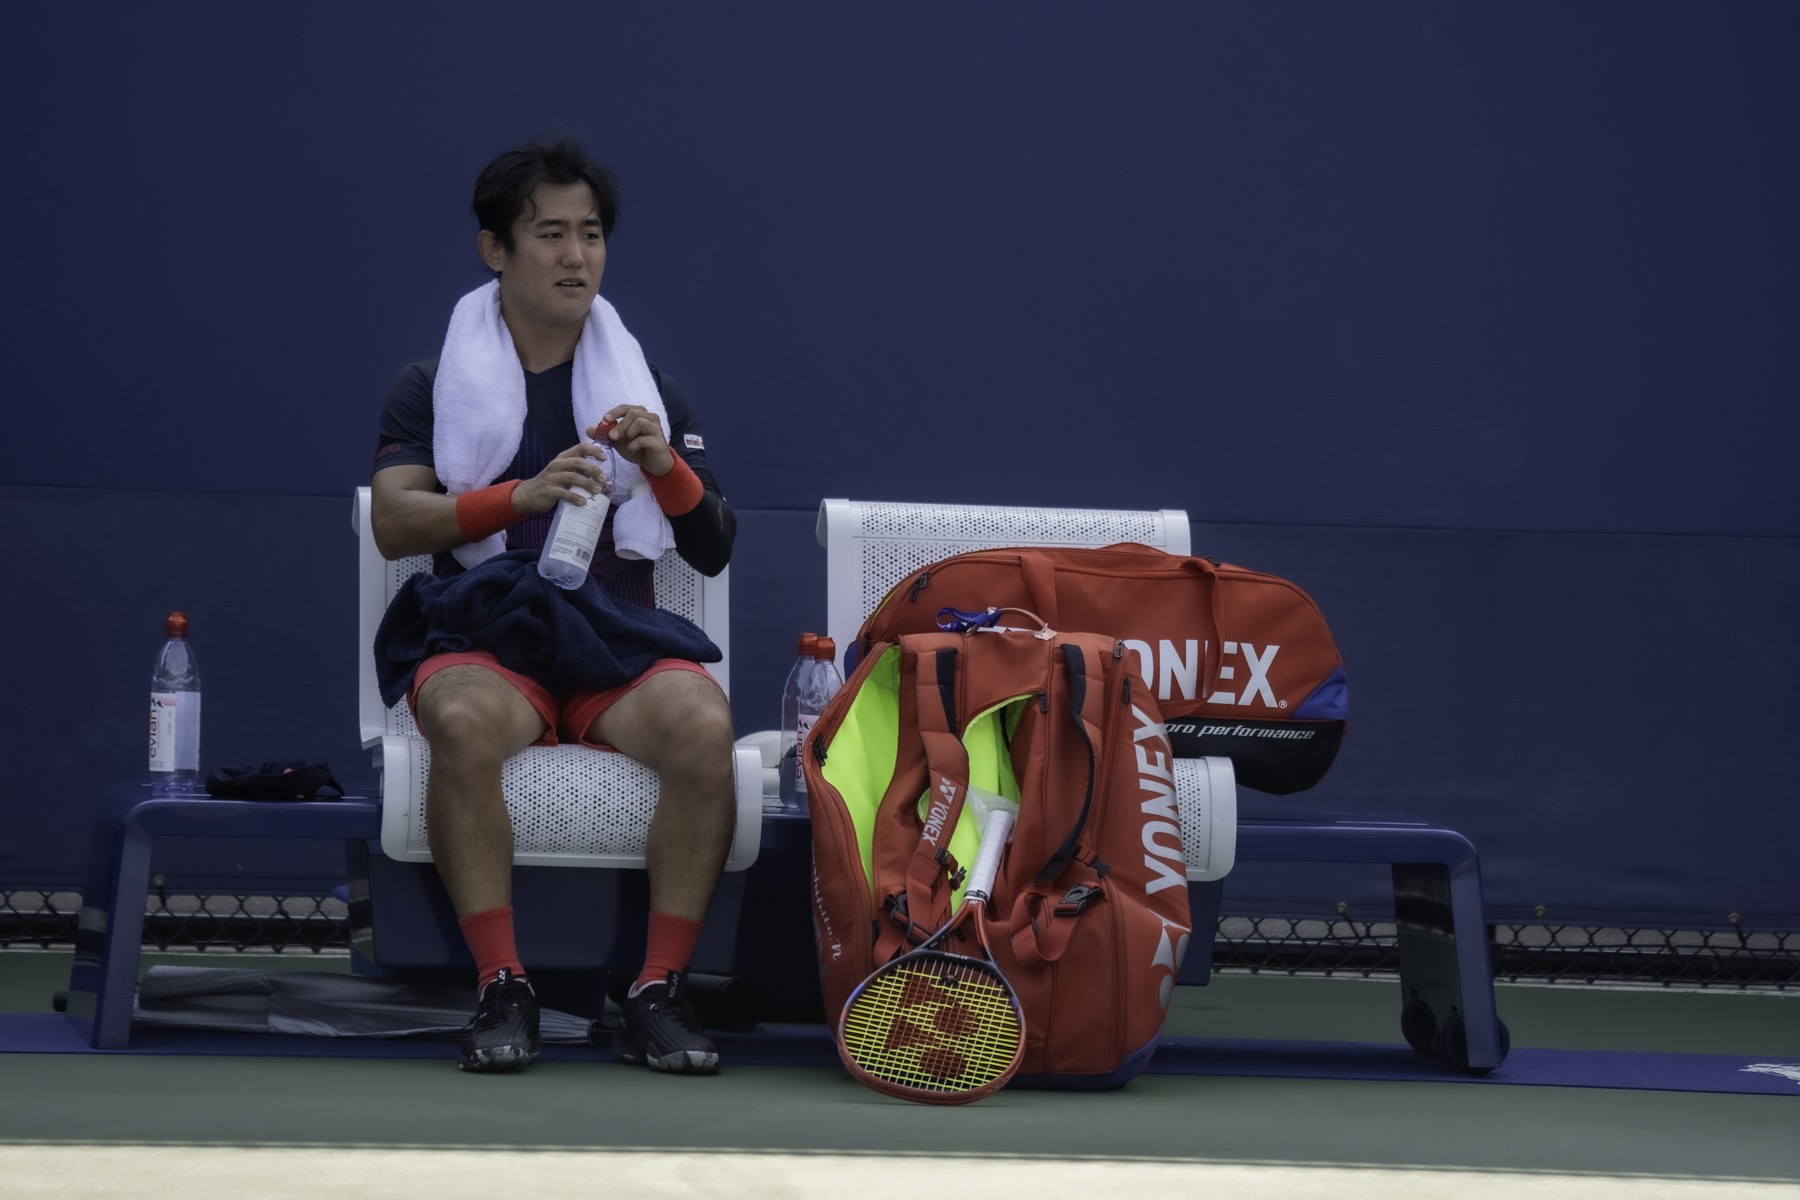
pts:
pixel 703 536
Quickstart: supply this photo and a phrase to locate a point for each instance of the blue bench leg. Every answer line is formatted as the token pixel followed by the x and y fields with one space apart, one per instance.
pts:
pixel 110 928
pixel 1486 1037
pixel 1445 976
pixel 1445 971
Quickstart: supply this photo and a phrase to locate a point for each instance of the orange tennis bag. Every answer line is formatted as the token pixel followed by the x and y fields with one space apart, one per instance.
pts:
pixel 1241 662
pixel 1089 914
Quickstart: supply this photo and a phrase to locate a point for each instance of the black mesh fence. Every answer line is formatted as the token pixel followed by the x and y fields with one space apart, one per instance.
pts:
pixel 227 923
pixel 1563 954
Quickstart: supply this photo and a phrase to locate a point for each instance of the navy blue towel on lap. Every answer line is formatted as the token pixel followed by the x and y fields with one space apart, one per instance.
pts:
pixel 566 640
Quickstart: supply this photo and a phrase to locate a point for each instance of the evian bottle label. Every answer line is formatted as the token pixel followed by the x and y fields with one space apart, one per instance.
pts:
pixel 174 731
pixel 575 530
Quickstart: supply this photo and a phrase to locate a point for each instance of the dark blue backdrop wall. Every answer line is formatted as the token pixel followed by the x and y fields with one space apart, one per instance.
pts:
pixel 1477 321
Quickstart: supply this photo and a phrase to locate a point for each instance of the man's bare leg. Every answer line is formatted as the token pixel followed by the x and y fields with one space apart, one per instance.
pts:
pixel 678 723
pixel 474 721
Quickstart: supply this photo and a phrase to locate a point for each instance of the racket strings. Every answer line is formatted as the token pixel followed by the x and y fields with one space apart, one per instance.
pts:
pixel 934 1023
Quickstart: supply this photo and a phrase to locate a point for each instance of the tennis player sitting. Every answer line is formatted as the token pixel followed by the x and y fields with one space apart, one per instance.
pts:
pixel 536 383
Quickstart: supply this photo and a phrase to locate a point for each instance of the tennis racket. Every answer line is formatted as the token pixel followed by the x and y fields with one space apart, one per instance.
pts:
pixel 936 1025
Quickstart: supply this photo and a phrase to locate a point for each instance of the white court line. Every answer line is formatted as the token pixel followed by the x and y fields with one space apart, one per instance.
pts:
pixel 62 1171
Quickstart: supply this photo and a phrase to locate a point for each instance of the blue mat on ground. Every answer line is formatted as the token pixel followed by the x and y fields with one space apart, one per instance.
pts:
pixel 811 1046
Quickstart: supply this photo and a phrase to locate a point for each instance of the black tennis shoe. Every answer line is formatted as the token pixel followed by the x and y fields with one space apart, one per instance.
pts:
pixel 659 1029
pixel 503 1036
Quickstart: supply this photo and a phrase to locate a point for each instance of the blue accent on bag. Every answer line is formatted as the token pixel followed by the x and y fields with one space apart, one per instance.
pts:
pixel 1330 701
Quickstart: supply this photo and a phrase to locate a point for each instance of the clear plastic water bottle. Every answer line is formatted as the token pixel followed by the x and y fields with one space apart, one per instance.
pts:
pixel 792 781
pixel 175 712
pixel 818 682
pixel 574 532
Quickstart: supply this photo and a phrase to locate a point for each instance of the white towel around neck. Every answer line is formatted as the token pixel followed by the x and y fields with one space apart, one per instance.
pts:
pixel 478 405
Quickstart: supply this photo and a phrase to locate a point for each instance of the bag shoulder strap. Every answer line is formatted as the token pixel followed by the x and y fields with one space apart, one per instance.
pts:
pixel 1040 923
pixel 921 905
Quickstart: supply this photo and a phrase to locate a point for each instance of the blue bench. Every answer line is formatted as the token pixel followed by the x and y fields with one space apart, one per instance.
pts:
pixel 110 926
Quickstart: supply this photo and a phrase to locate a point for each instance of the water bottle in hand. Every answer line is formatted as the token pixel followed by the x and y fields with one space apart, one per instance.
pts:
pixel 574 532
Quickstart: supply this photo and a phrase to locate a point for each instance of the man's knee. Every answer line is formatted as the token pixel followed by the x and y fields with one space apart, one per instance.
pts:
pixel 711 724
pixel 690 725
pixel 471 716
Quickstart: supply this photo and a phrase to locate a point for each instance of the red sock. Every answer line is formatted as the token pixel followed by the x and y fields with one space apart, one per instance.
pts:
pixel 670 945
pixel 490 938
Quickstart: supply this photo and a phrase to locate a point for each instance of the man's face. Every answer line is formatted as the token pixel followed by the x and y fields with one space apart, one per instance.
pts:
pixel 550 276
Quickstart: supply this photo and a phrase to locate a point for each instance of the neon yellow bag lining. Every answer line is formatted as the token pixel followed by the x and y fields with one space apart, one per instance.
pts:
pixel 866 748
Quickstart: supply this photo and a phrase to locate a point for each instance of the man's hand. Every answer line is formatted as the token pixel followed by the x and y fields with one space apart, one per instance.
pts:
pixel 572 475
pixel 637 435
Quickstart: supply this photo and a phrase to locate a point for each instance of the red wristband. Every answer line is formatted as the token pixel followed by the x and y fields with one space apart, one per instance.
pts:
pixel 679 491
pixel 486 511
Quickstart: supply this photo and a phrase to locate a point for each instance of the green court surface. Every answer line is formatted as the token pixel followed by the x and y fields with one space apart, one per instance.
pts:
pixel 811 1131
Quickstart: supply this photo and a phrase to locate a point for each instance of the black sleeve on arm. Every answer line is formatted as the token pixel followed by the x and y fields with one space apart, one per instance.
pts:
pixel 404 438
pixel 705 533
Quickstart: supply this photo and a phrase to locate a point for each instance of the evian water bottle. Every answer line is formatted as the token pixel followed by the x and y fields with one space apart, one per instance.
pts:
pixel 175 712
pixel 792 783
pixel 574 531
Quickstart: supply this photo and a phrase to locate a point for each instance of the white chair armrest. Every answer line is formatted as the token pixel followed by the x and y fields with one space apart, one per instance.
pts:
pixel 1206 798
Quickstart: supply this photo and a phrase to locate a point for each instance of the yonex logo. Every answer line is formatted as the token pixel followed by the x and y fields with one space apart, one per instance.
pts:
pixel 1163 853
pixel 1169 953
pixel 1258 684
pixel 940 809
pixel 938 1028
pixel 1173 670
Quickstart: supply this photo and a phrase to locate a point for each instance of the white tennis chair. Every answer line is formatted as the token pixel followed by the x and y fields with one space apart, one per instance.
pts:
pixel 872 545
pixel 571 806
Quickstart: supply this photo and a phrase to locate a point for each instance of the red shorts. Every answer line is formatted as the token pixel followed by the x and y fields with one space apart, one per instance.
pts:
pixel 565 720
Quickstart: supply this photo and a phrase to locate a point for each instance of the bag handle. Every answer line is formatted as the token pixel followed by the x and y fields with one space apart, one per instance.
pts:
pixel 1040 584
pixel 1212 653
pixel 1039 574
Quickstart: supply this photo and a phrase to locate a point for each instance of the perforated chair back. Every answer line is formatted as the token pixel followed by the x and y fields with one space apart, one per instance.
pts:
pixel 570 805
pixel 872 545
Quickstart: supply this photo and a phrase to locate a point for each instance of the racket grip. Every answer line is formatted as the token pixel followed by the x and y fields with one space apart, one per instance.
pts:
pixel 987 862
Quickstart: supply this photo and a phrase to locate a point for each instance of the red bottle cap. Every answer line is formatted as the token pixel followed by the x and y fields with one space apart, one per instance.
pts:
pixel 175 625
pixel 807 642
pixel 825 650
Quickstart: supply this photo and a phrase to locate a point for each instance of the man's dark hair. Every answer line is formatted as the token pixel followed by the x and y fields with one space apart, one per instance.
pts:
pixel 503 189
